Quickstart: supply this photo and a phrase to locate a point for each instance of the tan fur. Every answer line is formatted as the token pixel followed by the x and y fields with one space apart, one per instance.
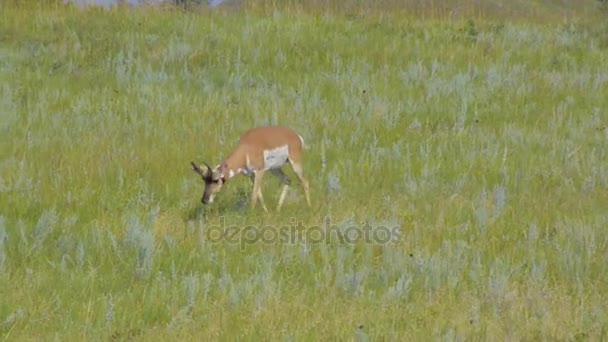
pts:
pixel 248 158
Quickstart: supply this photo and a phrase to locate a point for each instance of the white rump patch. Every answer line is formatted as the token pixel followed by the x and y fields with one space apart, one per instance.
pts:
pixel 275 158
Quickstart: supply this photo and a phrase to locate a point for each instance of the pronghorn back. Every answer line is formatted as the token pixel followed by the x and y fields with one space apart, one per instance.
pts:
pixel 269 137
pixel 271 142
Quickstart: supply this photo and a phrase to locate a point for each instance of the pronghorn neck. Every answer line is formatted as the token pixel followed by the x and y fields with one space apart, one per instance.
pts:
pixel 237 162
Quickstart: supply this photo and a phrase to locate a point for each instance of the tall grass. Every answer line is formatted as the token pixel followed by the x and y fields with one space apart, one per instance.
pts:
pixel 457 167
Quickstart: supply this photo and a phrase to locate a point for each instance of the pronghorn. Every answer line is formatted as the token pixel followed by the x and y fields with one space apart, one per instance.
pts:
pixel 259 150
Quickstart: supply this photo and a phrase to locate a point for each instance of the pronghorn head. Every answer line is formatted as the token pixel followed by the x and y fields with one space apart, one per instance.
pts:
pixel 213 181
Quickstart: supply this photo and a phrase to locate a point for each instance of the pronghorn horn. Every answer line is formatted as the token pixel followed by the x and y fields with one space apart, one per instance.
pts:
pixel 203 172
pixel 196 167
pixel 208 167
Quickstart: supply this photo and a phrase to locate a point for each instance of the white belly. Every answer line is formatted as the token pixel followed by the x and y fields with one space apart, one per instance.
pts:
pixel 246 171
pixel 275 158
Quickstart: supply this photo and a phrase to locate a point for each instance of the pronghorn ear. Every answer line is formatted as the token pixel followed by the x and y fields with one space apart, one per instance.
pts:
pixel 216 174
pixel 222 168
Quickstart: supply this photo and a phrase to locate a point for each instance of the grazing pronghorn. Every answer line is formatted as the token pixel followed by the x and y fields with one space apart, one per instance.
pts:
pixel 259 150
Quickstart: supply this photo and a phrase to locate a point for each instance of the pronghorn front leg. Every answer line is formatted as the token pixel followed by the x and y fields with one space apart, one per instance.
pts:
pixel 257 189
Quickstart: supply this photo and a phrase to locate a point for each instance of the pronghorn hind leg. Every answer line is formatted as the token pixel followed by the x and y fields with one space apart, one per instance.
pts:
pixel 281 175
pixel 297 168
pixel 285 181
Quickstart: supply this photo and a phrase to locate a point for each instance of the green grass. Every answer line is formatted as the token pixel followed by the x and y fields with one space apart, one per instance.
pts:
pixel 480 140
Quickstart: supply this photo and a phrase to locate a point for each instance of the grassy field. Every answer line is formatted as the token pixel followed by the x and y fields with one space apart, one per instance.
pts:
pixel 459 165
